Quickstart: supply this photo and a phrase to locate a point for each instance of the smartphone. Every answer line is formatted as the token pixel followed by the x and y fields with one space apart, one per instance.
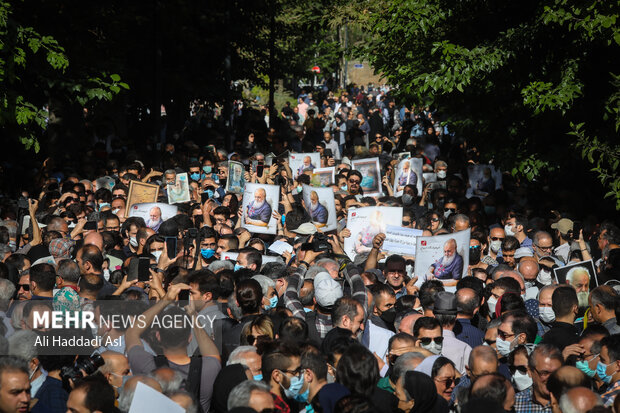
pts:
pixel 171 247
pixel 328 153
pixel 204 197
pixel 90 226
pixel 260 167
pixel 184 295
pixel 577 227
pixel 132 269
pixel 144 264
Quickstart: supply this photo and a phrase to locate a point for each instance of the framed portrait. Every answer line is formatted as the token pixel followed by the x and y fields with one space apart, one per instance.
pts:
pixel 321 207
pixel 371 175
pixel 303 162
pixel 235 181
pixel 408 172
pixel 323 177
pixel 442 257
pixel 259 201
pixel 140 193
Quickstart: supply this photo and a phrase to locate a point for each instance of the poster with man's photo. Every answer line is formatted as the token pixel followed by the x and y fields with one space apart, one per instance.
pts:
pixel 408 172
pixel 578 274
pixel 365 223
pixel 323 177
pixel 442 257
pixel 321 206
pixel 153 213
pixel 235 181
pixel 371 175
pixel 259 201
pixel 178 193
pixel 483 180
pixel 303 162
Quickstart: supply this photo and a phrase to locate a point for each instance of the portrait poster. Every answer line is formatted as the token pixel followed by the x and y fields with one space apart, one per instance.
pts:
pixel 303 162
pixel 235 181
pixel 403 155
pixel 483 180
pixel 429 177
pixel 259 201
pixel 408 172
pixel 574 273
pixel 139 193
pixel 442 257
pixel 371 175
pixel 365 223
pixel 153 213
pixel 323 177
pixel 321 206
pixel 179 192
pixel 232 256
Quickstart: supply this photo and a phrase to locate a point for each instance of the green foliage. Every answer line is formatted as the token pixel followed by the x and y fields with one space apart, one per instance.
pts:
pixel 508 76
pixel 22 48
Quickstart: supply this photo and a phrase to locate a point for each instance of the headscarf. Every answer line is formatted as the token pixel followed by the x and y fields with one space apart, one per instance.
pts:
pixel 328 396
pixel 426 366
pixel 422 390
pixel 225 381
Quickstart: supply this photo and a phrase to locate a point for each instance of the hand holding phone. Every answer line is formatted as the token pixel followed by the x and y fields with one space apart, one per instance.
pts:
pixel 144 265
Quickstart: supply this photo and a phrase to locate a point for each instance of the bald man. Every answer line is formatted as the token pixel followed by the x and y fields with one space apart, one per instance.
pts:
pixel 563 379
pixel 528 267
pixel 489 386
pixel 450 265
pixel 115 369
pixel 407 323
pixel 579 400
pixel 155 219
pixel 468 304
pixel 126 393
pixel 94 238
pixel 258 211
pixel 482 360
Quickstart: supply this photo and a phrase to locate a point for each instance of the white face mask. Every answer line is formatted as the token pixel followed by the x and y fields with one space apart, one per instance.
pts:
pixel 508 230
pixel 157 254
pixel 544 277
pixel 522 380
pixel 503 347
pixel 433 347
pixel 495 246
pixel 133 242
pixel 492 302
pixel 529 284
pixel 441 174
pixel 546 314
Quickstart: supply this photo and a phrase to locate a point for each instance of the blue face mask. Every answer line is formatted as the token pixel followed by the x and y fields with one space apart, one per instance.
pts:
pixel 303 397
pixel 283 219
pixel 273 302
pixel 103 205
pixel 209 193
pixel 195 176
pixel 344 188
pixel 207 169
pixel 585 368
pixel 238 267
pixel 207 253
pixel 258 377
pixel 601 371
pixel 295 387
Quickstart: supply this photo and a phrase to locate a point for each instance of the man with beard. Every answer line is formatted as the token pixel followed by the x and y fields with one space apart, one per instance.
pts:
pixel 450 265
pixel 259 210
pixel 407 177
pixel 579 278
pixel 305 166
pixel 154 220
pixel 318 212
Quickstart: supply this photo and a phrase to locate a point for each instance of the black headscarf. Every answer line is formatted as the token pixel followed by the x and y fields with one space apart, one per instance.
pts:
pixel 422 390
pixel 225 381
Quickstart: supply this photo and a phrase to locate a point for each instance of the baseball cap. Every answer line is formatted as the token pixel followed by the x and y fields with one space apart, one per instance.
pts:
pixel 326 290
pixel 564 226
pixel 307 228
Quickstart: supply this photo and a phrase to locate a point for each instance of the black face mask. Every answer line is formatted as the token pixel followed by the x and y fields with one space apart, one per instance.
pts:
pixel 389 316
pixel 474 255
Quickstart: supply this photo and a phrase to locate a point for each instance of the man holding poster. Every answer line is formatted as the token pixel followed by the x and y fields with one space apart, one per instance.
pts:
pixel 450 265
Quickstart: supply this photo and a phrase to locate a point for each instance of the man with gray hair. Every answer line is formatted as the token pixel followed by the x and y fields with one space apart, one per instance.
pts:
pixel 125 395
pixel 247 356
pixel 7 291
pixel 404 363
pixel 15 394
pixel 253 394
pixel 23 344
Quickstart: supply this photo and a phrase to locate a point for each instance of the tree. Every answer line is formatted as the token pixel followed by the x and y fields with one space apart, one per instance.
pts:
pixel 515 78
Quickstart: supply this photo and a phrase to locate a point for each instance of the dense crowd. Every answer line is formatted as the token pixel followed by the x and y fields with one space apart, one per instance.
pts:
pixel 310 328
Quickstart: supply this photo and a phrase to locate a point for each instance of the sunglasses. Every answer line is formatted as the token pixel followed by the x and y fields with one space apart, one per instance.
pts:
pixel 427 340
pixel 434 219
pixel 521 369
pixel 449 381
pixel 497 238
pixel 489 342
pixel 354 181
pixel 253 339
pixel 406 222
pixel 25 287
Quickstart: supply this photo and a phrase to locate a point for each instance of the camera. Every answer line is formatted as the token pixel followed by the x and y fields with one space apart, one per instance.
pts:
pixel 22 203
pixel 319 244
pixel 87 365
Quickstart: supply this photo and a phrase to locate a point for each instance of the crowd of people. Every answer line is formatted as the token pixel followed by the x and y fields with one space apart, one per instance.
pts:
pixel 309 328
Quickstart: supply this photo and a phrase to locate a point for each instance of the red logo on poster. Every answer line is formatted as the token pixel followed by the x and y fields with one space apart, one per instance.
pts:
pixel 423 243
pixel 353 214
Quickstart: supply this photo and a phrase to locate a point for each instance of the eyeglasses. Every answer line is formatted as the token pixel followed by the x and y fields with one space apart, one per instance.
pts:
pixel 25 287
pixel 549 248
pixel 521 369
pixel 497 238
pixel 354 181
pixel 503 335
pixel 543 373
pixel 406 222
pixel 252 339
pixel 295 372
pixel 427 340
pixel 448 382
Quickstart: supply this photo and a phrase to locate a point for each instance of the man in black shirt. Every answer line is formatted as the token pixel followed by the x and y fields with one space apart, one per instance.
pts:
pixel 565 306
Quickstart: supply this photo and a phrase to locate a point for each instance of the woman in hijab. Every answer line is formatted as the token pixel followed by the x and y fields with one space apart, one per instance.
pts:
pixel 417 393
pixel 225 381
